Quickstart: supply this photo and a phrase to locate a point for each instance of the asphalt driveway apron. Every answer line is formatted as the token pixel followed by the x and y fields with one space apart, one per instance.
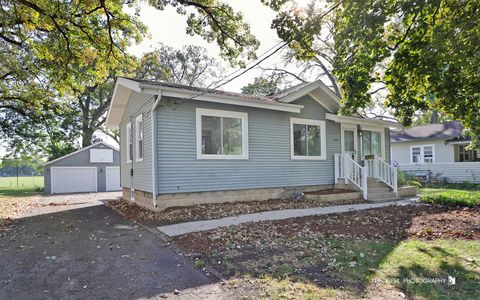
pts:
pixel 91 253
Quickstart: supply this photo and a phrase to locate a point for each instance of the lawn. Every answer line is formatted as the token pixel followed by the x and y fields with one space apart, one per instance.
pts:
pixel 387 253
pixel 451 195
pixel 26 186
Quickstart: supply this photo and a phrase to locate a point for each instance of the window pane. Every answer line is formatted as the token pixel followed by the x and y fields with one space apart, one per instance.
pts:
pixel 367 142
pixel 416 154
pixel 348 140
pixel 428 154
pixel 211 135
pixel 232 136
pixel 376 143
pixel 299 139
pixel 313 140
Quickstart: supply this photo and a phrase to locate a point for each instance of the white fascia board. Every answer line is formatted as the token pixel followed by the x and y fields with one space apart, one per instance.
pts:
pixel 115 110
pixel 225 99
pixel 353 120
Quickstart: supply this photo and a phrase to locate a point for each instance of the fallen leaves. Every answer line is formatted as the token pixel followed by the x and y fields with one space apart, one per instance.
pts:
pixel 215 211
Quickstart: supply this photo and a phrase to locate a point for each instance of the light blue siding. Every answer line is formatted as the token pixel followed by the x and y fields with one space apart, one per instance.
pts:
pixel 269 163
pixel 142 170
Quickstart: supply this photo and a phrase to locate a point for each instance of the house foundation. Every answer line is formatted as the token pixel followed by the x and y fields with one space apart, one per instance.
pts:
pixel 165 201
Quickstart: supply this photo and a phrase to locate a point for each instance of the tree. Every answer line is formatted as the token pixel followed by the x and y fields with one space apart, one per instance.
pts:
pixel 52 50
pixel 189 66
pixel 262 86
pixel 413 48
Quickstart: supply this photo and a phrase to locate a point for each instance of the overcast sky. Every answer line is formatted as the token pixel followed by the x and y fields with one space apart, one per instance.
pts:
pixel 168 27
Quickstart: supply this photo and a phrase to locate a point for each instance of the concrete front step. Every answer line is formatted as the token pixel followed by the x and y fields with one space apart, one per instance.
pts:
pixel 379 189
pixel 381 196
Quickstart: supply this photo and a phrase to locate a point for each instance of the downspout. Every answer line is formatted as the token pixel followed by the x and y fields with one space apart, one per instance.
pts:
pixel 154 147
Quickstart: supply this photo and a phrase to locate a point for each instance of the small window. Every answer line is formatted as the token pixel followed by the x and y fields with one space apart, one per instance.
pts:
pixel 416 152
pixel 308 139
pixel 428 154
pixel 467 155
pixel 422 154
pixel 222 134
pixel 129 142
pixel 139 137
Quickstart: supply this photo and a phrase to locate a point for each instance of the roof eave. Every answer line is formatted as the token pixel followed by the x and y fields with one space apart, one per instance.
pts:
pixel 353 120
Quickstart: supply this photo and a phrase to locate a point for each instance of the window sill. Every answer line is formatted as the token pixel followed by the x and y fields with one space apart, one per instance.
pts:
pixel 221 157
pixel 139 160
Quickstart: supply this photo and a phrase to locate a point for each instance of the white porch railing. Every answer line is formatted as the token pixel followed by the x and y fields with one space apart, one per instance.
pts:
pixel 348 169
pixel 351 171
pixel 386 173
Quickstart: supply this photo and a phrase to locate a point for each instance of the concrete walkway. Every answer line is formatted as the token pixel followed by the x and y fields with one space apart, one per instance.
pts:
pixel 189 227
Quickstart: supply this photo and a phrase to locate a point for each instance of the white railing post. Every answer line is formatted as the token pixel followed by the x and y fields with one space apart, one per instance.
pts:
pixel 395 181
pixel 337 166
pixel 365 182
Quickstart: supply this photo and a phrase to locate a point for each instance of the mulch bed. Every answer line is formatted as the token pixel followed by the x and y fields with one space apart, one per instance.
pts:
pixel 330 191
pixel 214 211
pixel 307 245
pixel 387 223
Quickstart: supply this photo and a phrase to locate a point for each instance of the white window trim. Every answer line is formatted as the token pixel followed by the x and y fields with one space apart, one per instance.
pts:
pixel 139 119
pixel 128 139
pixel 353 128
pixel 323 139
pixel 382 138
pixel 422 153
pixel 221 113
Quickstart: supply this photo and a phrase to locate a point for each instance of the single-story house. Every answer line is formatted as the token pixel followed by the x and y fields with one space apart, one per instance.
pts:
pixel 436 152
pixel 95 168
pixel 182 145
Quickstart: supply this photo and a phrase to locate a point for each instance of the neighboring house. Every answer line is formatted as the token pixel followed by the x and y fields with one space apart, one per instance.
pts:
pixel 436 151
pixel 215 146
pixel 95 168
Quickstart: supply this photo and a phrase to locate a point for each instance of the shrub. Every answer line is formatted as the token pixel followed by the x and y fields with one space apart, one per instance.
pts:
pixel 455 198
pixel 456 186
pixel 404 179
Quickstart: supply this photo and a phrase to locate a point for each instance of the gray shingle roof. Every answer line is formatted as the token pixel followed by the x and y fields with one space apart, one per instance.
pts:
pixel 433 131
pixel 269 98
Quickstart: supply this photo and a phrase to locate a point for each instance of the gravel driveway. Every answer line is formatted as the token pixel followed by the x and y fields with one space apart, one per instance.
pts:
pixel 83 250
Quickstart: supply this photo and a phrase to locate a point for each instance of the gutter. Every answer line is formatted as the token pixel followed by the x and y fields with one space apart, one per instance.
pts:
pixel 157 98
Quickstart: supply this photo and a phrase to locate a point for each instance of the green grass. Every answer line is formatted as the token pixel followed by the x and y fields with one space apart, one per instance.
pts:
pixel 414 259
pixel 26 186
pixel 446 196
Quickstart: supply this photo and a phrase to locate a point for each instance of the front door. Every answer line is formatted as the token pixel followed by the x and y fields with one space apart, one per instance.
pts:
pixel 349 141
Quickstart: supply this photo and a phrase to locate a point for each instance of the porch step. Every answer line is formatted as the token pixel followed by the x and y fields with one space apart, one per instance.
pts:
pixel 381 196
pixel 377 191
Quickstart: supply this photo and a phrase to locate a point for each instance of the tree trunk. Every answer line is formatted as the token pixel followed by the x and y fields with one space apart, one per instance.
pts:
pixel 434 118
pixel 87 136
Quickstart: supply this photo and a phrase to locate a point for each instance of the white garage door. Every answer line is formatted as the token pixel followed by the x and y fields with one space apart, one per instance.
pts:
pixel 73 179
pixel 113 179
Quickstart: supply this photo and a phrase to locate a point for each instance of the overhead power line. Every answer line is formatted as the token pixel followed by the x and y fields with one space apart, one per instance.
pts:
pixel 252 64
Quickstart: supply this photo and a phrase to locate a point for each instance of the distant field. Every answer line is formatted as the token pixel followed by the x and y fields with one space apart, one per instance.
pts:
pixel 29 181
pixel 26 186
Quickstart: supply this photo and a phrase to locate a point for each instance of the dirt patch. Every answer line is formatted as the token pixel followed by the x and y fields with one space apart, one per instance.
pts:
pixel 214 211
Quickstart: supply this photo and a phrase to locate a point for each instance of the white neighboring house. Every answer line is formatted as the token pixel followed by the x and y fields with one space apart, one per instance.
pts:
pixel 436 150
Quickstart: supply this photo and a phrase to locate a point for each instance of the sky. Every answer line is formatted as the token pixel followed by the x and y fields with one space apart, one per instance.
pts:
pixel 168 27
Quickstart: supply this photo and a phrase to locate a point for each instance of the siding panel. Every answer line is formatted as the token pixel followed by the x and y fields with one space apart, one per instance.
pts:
pixel 269 163
pixel 142 171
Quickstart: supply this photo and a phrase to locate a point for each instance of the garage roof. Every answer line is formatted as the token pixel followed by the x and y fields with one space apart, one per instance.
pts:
pixel 80 150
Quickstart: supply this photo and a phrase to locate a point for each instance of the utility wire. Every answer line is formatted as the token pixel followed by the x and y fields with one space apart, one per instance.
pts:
pixel 258 61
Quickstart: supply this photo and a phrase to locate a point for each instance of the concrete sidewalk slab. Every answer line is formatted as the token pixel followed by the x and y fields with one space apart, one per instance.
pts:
pixel 189 227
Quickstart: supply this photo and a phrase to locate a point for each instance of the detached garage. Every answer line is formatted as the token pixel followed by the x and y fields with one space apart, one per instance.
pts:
pixel 92 169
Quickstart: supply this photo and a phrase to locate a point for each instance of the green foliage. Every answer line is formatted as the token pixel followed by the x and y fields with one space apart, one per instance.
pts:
pixel 215 20
pixel 405 179
pixel 452 197
pixel 418 49
pixel 59 60
pixel 424 52
pixel 262 86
